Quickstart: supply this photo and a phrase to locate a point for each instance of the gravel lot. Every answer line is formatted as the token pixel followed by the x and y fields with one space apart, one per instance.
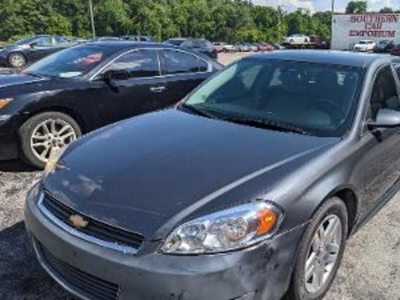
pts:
pixel 370 270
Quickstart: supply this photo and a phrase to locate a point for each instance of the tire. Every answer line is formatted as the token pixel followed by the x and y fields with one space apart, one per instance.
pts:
pixel 298 289
pixel 61 131
pixel 17 60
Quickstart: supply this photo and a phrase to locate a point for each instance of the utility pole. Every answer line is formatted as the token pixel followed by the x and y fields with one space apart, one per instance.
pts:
pixel 92 19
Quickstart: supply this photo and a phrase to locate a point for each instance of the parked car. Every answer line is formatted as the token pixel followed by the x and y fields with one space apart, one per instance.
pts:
pixel 175 41
pixel 264 47
pixel 202 46
pixel 139 38
pixel 251 186
pixel 319 42
pixel 384 46
pixel 29 50
pixel 278 46
pixel 72 92
pixel 242 48
pixel 105 39
pixel 252 47
pixel 364 46
pixel 296 39
pixel 395 50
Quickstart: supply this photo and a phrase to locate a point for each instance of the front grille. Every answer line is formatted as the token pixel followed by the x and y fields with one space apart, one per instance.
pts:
pixel 82 282
pixel 94 228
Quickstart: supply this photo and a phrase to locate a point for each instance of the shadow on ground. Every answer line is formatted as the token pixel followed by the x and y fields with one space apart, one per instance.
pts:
pixel 21 277
pixel 15 166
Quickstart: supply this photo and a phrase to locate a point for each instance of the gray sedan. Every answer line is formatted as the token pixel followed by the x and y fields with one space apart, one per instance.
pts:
pixel 246 190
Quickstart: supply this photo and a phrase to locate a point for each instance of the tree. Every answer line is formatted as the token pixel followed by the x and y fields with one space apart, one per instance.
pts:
pixel 356 7
pixel 386 10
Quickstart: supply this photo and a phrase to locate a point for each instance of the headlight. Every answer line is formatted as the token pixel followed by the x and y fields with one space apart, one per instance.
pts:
pixel 53 160
pixel 4 102
pixel 230 229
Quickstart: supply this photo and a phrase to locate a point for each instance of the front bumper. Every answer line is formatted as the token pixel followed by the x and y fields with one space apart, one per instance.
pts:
pixel 261 272
pixel 8 138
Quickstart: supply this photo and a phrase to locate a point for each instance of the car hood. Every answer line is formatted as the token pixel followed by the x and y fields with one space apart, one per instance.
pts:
pixel 12 79
pixel 140 173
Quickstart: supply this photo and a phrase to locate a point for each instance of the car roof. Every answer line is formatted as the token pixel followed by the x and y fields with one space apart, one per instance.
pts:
pixel 346 58
pixel 121 45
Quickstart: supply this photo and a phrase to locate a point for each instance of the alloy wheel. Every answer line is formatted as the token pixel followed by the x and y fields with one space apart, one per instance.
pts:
pixel 17 61
pixel 323 253
pixel 51 135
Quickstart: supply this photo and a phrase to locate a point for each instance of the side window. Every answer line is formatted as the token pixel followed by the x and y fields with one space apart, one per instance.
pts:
pixel 384 92
pixel 44 41
pixel 180 62
pixel 141 63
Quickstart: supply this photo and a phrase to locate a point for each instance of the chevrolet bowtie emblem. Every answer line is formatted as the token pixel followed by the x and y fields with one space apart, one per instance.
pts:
pixel 78 221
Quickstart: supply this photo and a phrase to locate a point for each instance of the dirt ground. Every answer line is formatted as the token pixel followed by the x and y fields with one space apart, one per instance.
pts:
pixel 370 270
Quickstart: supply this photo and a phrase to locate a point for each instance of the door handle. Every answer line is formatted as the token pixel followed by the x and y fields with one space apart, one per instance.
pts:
pixel 157 89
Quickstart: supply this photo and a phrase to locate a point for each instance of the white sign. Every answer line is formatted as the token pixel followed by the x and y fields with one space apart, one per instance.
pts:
pixel 348 30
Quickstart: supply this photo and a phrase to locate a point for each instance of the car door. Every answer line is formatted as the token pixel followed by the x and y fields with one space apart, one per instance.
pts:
pixel 379 169
pixel 141 92
pixel 41 48
pixel 183 71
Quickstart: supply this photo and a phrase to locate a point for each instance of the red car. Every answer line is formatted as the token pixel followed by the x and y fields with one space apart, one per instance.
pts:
pixel 264 47
pixel 395 50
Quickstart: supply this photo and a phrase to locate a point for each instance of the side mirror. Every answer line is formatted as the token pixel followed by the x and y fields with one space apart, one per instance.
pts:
pixel 33 45
pixel 386 118
pixel 112 75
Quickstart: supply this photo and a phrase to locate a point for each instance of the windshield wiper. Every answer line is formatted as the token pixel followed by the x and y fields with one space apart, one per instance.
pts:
pixel 266 124
pixel 198 111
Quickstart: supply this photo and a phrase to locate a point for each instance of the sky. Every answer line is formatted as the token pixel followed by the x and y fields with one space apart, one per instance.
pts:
pixel 323 5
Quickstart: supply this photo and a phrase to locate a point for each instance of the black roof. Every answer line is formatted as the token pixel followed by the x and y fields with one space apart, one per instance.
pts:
pixel 346 58
pixel 123 44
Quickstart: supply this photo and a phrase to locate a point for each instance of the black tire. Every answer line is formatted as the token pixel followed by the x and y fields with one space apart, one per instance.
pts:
pixel 27 129
pixel 13 62
pixel 297 289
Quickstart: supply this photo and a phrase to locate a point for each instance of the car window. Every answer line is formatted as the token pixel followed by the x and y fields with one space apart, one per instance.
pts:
pixel 44 41
pixel 139 63
pixel 181 62
pixel 60 40
pixel 384 93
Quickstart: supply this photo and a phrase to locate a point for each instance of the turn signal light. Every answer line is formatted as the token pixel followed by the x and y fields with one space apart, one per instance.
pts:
pixel 267 220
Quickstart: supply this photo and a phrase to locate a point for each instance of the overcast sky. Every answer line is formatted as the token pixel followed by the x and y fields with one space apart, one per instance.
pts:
pixel 323 5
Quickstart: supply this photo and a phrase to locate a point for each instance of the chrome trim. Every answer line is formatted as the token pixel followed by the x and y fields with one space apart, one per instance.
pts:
pixel 209 68
pixel 83 236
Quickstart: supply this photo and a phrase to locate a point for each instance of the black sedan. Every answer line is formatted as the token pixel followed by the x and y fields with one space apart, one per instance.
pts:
pixel 74 91
pixel 201 46
pixel 27 51
pixel 247 190
pixel 384 46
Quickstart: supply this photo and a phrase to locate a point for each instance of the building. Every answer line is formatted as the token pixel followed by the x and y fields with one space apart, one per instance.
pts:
pixel 350 29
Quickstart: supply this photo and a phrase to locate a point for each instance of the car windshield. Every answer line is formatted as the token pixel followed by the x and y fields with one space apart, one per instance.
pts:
pixel 25 41
pixel 72 62
pixel 365 42
pixel 309 98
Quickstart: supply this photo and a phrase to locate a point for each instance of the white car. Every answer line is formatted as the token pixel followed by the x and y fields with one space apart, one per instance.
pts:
pixel 224 47
pixel 364 46
pixel 296 39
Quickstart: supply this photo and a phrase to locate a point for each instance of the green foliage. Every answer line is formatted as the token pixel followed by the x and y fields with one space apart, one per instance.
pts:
pixel 386 10
pixel 356 7
pixel 218 20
